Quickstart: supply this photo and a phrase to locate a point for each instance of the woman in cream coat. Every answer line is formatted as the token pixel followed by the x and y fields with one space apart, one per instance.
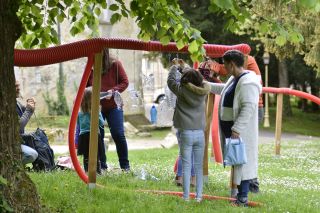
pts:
pixel 238 117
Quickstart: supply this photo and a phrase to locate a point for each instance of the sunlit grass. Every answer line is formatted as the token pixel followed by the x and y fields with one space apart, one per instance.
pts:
pixel 290 183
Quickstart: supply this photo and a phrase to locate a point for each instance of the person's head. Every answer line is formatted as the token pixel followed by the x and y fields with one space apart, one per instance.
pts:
pixel 86 100
pixel 17 88
pixel 233 61
pixel 191 76
pixel 107 61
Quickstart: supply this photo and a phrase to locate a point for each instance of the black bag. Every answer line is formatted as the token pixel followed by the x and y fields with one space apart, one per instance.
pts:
pixel 38 140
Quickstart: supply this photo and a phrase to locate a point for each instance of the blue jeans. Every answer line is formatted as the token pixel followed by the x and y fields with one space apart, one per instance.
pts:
pixel 115 121
pixel 192 142
pixel 179 163
pixel 28 154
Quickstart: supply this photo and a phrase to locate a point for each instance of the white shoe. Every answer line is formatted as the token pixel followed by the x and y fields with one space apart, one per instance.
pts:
pixel 186 199
pixel 198 199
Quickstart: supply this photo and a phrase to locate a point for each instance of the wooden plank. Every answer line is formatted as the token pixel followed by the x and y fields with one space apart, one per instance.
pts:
pixel 94 125
pixel 278 122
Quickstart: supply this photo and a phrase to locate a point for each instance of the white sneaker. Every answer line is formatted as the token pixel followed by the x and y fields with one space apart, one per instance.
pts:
pixel 186 199
pixel 198 199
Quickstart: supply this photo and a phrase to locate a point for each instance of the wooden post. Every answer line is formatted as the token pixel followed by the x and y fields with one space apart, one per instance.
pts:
pixel 209 110
pixel 94 123
pixel 233 186
pixel 278 122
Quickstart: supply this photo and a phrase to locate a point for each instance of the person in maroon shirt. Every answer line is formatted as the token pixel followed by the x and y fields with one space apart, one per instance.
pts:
pixel 114 78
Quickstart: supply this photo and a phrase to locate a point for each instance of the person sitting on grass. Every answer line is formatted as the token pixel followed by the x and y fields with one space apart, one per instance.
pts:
pixel 29 155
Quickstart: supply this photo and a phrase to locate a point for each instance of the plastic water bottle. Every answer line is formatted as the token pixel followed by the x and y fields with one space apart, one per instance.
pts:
pixel 153 115
pixel 143 175
pixel 118 100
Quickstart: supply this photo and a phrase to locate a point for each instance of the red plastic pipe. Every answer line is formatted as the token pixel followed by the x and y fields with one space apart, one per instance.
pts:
pixel 87 48
pixel 192 195
pixel 73 119
pixel 66 52
pixel 216 147
pixel 288 91
pixel 215 125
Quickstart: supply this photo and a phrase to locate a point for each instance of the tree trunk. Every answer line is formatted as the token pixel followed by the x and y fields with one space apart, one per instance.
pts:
pixel 284 82
pixel 16 188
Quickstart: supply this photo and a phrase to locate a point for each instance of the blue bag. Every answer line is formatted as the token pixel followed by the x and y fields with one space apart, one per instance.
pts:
pixel 234 152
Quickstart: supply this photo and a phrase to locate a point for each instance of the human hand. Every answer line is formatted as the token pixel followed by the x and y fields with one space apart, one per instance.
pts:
pixel 31 103
pixel 214 66
pixel 235 135
pixel 110 93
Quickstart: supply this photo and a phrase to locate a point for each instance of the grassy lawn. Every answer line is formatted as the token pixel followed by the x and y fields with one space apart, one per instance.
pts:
pixel 288 184
pixel 299 123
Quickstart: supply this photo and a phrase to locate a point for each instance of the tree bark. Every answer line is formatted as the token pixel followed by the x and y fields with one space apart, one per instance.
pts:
pixel 284 82
pixel 18 190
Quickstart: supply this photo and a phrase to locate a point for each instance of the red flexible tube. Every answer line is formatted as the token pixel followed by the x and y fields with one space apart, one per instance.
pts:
pixel 288 91
pixel 73 119
pixel 192 195
pixel 66 52
pixel 215 126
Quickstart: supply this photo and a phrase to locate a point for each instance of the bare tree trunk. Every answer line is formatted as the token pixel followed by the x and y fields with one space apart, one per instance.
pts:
pixel 16 188
pixel 284 82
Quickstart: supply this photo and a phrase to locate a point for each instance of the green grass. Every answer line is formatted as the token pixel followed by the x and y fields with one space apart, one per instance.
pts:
pixel 46 122
pixel 290 183
pixel 299 123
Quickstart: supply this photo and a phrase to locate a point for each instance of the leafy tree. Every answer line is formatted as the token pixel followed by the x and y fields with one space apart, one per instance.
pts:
pixel 285 27
pixel 33 22
pixel 303 78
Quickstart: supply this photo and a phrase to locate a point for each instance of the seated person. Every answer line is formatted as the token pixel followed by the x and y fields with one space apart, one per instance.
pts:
pixel 29 155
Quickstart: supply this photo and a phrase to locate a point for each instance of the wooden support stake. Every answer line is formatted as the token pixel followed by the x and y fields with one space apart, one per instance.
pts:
pixel 279 122
pixel 232 185
pixel 94 123
pixel 209 113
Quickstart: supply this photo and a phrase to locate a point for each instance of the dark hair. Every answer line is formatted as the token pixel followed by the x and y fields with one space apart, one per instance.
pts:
pixel 86 100
pixel 234 56
pixel 107 60
pixel 191 76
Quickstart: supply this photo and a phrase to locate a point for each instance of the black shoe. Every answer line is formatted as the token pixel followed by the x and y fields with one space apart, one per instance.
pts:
pixel 240 202
pixel 104 167
pixel 254 186
pixel 126 170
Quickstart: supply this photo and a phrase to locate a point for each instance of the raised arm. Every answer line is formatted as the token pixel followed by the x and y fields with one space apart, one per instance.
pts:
pixel 216 88
pixel 173 85
pixel 26 115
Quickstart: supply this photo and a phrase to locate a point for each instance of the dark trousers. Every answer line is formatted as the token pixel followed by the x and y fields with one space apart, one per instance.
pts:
pixel 102 156
pixel 83 149
pixel 115 121
pixel 243 189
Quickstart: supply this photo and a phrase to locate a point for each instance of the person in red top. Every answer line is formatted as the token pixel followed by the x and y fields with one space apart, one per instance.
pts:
pixel 114 79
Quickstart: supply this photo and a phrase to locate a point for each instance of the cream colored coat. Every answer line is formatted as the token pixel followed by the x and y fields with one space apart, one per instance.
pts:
pixel 245 118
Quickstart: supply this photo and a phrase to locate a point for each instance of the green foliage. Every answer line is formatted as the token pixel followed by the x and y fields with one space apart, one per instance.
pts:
pixel 161 20
pixel 284 27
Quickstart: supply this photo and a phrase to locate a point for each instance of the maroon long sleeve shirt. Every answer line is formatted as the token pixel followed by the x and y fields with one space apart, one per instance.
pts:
pixel 116 79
